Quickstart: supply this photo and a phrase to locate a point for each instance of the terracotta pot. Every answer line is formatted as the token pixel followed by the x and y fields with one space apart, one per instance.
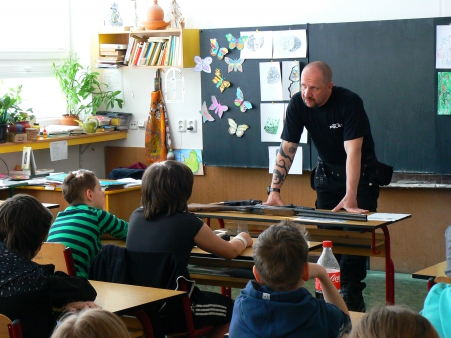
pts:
pixel 69 120
pixel 155 12
pixel 18 127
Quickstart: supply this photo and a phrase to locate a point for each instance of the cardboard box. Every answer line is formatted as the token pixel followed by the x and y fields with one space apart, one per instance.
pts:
pixel 16 137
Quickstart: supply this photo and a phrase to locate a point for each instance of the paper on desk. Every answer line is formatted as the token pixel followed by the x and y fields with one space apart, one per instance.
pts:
pixel 379 216
pixel 58 150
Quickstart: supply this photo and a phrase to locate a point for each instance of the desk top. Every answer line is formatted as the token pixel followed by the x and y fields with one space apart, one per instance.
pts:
pixel 116 297
pixel 369 225
pixel 432 271
pixel 47 205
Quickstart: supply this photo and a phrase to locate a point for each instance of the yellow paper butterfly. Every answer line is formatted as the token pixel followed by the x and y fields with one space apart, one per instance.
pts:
pixel 237 129
pixel 220 82
pixel 216 51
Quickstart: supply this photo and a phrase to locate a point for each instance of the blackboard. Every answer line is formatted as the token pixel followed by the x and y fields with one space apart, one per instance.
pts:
pixel 221 148
pixel 391 65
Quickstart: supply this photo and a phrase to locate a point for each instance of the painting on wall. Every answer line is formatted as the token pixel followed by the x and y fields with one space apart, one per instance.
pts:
pixel 192 158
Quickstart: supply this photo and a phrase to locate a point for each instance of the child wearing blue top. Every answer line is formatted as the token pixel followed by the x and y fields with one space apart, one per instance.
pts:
pixel 277 304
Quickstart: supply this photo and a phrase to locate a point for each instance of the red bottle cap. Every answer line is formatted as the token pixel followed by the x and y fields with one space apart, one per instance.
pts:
pixel 327 244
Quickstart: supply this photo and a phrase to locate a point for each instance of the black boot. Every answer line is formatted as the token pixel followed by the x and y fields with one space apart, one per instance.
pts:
pixel 353 297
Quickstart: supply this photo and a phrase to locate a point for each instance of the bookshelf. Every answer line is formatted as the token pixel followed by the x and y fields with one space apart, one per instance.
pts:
pixel 189 43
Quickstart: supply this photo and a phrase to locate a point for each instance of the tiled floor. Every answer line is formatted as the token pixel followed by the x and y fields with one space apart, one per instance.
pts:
pixel 408 291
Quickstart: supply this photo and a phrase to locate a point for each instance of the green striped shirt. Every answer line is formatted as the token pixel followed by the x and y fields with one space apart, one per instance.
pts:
pixel 80 227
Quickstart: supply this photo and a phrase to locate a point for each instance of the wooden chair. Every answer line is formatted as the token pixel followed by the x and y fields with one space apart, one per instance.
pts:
pixel 10 329
pixel 57 254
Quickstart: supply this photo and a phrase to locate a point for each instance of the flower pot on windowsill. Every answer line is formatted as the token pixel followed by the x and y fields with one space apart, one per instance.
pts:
pixel 18 126
pixel 69 120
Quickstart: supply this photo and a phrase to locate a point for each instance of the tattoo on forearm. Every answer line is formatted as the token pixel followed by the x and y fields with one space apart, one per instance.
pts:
pixel 284 165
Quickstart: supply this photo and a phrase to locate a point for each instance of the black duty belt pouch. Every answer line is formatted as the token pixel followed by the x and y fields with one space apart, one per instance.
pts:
pixel 383 173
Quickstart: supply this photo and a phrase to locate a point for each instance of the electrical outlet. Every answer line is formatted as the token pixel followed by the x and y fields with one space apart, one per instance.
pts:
pixel 192 126
pixel 181 125
pixel 134 124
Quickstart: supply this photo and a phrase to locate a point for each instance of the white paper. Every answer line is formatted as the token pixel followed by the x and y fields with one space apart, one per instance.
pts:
pixel 291 77
pixel 296 168
pixel 113 78
pixel 290 44
pixel 443 50
pixel 58 150
pixel 270 81
pixel 271 121
pixel 258 45
pixel 378 216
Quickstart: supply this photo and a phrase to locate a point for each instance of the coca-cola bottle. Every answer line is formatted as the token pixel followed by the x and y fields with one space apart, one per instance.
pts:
pixel 330 263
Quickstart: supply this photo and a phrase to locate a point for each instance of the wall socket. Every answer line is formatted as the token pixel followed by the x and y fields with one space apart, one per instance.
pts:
pixel 192 126
pixel 133 124
pixel 181 125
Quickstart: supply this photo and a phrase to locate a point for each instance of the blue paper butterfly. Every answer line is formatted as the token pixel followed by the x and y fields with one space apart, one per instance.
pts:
pixel 234 42
pixel 216 51
pixel 235 65
pixel 239 101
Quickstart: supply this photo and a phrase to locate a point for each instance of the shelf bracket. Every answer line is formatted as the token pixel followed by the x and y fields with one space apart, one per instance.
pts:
pixel 81 152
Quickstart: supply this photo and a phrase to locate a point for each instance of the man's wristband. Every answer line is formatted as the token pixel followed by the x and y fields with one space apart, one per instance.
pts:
pixel 242 239
pixel 269 189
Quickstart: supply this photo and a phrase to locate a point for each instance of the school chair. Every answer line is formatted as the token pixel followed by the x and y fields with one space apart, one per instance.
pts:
pixel 57 254
pixel 153 269
pixel 10 329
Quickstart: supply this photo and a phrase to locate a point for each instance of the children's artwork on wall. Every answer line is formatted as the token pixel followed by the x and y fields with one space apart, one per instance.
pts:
pixel 296 168
pixel 235 65
pixel 270 81
pixel 216 50
pixel 174 85
pixel 271 121
pixel 444 93
pixel 220 82
pixel 237 129
pixel 290 44
pixel 304 136
pixel 202 64
pixel 240 102
pixel 237 43
pixel 206 116
pixel 192 158
pixel 217 106
pixel 258 45
pixel 443 50
pixel 291 78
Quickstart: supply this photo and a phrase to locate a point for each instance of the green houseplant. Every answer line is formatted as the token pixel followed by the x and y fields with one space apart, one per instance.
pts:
pixel 81 88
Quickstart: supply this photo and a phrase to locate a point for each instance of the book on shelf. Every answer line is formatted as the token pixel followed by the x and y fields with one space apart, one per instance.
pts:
pixel 138 52
pixel 131 43
pixel 151 52
pixel 108 61
pixel 156 53
pixel 113 45
pixel 142 58
pixel 157 38
pixel 108 65
pixel 162 53
pixel 117 52
pixel 115 58
pixel 167 53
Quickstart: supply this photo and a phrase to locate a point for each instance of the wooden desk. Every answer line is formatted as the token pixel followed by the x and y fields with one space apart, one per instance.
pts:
pixel 47 205
pixel 120 202
pixel 365 241
pixel 116 297
pixel 430 273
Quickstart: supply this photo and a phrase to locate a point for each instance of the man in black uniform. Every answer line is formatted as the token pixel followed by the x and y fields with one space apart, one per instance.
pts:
pixel 339 127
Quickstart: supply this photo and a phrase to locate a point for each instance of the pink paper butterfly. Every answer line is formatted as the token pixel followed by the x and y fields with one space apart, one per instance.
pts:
pixel 217 107
pixel 202 64
pixel 206 116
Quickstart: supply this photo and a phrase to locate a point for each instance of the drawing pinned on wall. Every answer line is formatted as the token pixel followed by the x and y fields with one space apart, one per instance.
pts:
pixel 206 116
pixel 240 102
pixel 444 93
pixel 290 44
pixel 220 82
pixel 291 77
pixel 215 50
pixel 304 136
pixel 296 167
pixel 236 43
pixel 258 45
pixel 192 158
pixel 271 121
pixel 237 129
pixel 202 64
pixel 443 50
pixel 235 65
pixel 174 85
pixel 217 106
pixel 270 81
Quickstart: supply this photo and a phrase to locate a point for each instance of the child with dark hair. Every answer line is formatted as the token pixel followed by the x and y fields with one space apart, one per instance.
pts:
pixel 277 304
pixel 82 224
pixel 29 291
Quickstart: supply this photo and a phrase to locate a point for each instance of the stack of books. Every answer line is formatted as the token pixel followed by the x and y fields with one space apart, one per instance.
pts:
pixel 153 51
pixel 111 55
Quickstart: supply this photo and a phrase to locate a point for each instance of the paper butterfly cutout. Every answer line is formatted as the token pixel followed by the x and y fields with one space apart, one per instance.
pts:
pixel 206 116
pixel 237 129
pixel 216 51
pixel 234 42
pixel 202 64
pixel 239 101
pixel 217 107
pixel 234 64
pixel 219 81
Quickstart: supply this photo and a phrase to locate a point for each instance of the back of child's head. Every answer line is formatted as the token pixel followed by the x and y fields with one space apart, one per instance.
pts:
pixel 166 188
pixel 91 323
pixel 393 322
pixel 280 255
pixel 24 224
pixel 76 184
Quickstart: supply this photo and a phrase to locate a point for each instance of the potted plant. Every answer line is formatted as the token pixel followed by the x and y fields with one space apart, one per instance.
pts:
pixel 82 90
pixel 9 109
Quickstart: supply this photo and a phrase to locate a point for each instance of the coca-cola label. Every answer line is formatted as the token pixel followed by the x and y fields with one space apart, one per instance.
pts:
pixel 334 276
